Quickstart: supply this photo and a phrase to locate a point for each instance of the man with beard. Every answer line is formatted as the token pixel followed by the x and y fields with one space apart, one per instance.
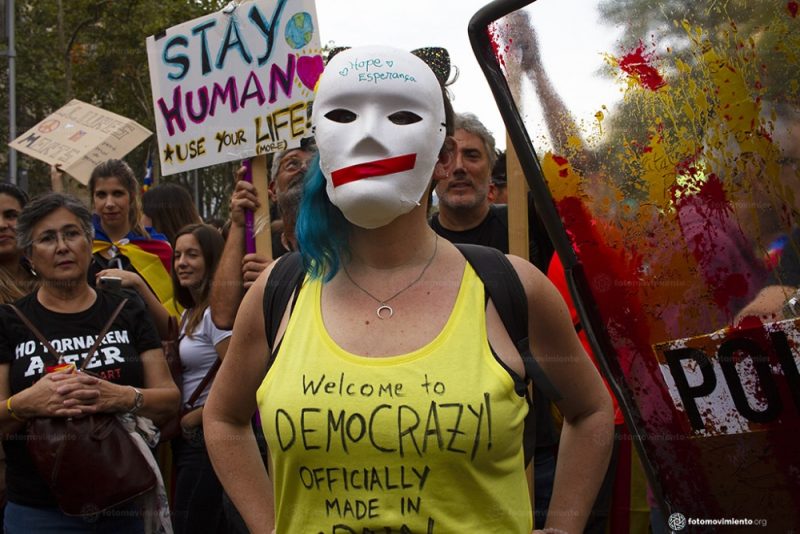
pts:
pixel 466 215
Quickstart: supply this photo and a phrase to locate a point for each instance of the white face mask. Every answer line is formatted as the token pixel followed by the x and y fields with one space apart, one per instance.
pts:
pixel 379 124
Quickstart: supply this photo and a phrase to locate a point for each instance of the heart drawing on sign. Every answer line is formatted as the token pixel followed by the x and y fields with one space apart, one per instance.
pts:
pixel 309 69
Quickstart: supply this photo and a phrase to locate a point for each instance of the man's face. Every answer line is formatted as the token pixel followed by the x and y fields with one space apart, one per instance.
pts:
pixel 291 169
pixel 467 187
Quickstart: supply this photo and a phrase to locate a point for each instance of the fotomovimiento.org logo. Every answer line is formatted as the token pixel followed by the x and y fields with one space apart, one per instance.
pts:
pixel 676 521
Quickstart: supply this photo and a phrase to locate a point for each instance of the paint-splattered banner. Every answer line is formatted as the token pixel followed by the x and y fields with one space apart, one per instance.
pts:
pixel 230 86
pixel 78 136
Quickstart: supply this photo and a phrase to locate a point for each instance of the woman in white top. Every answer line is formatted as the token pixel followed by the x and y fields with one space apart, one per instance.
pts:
pixel 198 493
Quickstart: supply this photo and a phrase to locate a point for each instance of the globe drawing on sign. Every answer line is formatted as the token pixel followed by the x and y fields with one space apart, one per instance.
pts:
pixel 299 30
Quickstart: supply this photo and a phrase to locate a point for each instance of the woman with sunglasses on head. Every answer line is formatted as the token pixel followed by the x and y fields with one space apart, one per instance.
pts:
pixel 390 401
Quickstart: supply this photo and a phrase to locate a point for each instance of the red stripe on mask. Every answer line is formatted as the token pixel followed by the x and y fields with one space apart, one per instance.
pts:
pixel 372 169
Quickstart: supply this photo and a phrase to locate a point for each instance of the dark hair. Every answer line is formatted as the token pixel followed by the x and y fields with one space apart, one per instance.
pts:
pixel 321 229
pixel 211 245
pixel 170 207
pixel 42 206
pixel 7 188
pixel 116 168
pixel 499 176
pixel 13 287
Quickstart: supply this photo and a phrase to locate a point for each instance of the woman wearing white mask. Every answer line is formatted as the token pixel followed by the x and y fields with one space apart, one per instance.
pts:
pixel 389 401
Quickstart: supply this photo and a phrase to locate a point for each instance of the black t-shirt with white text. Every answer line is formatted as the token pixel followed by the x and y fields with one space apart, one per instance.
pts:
pixel 72 334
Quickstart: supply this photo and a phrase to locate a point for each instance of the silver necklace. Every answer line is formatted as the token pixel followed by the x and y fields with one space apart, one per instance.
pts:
pixel 384 311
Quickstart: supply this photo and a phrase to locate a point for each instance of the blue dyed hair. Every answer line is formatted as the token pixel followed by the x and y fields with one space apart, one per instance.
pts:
pixel 321 228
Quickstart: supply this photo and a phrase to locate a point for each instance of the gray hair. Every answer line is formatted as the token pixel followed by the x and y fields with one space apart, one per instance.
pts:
pixel 310 146
pixel 42 206
pixel 471 124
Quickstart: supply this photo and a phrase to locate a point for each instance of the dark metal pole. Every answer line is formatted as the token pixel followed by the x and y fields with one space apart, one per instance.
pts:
pixel 12 94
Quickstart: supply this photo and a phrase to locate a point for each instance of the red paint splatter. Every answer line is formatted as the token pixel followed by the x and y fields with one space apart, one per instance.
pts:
pixel 563 173
pixel 712 198
pixel 730 287
pixel 560 160
pixel 731 273
pixel 793 8
pixel 747 323
pixel 688 165
pixel 494 41
pixel 612 273
pixel 637 65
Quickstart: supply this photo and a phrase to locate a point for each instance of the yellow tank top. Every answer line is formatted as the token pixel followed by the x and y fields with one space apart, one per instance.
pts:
pixel 424 442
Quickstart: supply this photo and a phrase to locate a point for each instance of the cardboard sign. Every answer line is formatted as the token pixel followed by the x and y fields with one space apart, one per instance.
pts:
pixel 79 136
pixel 737 382
pixel 230 86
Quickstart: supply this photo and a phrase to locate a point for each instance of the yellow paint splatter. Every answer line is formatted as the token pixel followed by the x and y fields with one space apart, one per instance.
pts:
pixel 562 180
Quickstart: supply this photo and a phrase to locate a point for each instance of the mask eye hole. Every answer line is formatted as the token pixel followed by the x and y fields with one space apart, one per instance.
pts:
pixel 343 116
pixel 402 118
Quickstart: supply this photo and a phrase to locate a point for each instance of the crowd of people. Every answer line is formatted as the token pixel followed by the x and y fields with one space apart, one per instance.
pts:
pixel 285 431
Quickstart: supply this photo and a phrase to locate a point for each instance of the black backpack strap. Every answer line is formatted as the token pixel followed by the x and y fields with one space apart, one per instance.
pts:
pixel 504 287
pixel 286 278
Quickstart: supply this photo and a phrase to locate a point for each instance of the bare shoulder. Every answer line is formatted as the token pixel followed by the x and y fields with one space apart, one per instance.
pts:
pixel 535 282
pixel 544 300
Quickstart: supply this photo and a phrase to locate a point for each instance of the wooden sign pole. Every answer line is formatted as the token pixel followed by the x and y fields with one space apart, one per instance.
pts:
pixel 261 227
pixel 518 238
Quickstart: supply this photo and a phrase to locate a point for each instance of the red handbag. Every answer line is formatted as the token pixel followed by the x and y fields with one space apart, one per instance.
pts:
pixel 89 463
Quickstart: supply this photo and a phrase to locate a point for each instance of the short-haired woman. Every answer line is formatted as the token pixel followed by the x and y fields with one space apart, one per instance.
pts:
pixel 130 374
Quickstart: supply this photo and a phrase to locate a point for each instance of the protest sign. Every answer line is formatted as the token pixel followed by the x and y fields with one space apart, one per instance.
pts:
pixel 735 381
pixel 79 136
pixel 233 85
